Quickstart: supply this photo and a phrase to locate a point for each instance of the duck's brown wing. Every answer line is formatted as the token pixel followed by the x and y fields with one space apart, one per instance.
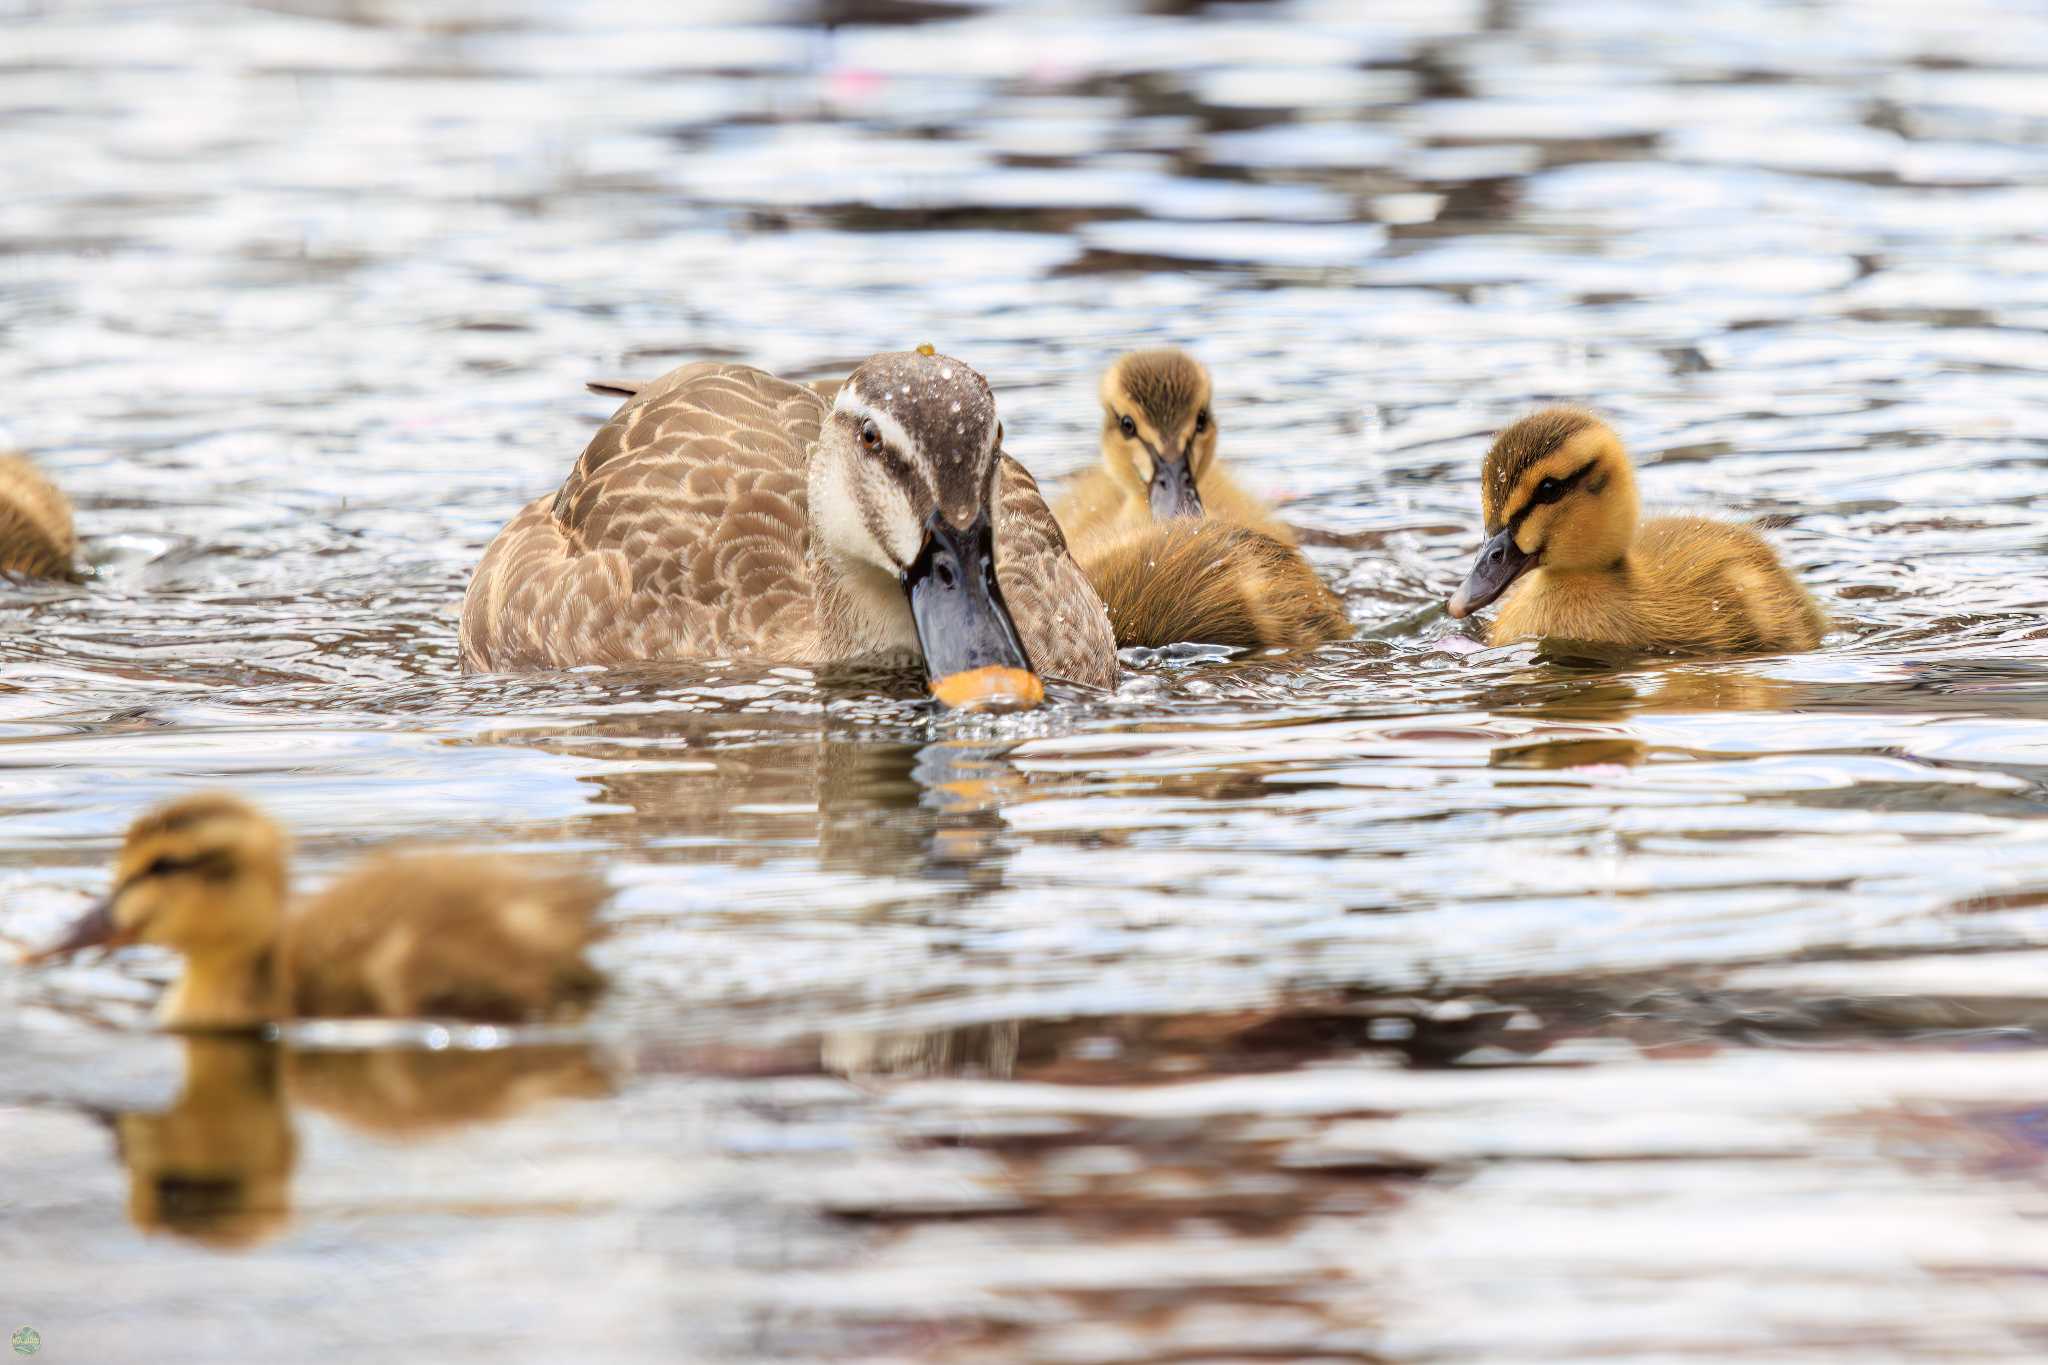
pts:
pixel 1059 617
pixel 681 533
pixel 445 935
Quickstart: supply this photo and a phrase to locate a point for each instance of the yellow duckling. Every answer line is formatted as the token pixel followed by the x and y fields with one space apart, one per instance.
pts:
pixel 1213 583
pixel 1159 456
pixel 455 935
pixel 1561 509
pixel 36 536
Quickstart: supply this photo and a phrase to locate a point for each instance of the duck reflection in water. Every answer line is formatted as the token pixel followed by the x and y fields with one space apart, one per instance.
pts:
pixel 216 1167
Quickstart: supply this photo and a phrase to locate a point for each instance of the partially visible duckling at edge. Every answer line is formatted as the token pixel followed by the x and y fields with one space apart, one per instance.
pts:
pixel 1563 519
pixel 36 536
pixel 1159 456
pixel 1210 582
pixel 405 935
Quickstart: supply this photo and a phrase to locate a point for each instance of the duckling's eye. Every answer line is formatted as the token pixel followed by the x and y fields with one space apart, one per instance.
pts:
pixel 1550 490
pixel 999 436
pixel 1201 421
pixel 164 867
pixel 1127 426
pixel 871 435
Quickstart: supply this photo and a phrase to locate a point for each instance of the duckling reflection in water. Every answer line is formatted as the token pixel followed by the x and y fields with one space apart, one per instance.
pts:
pixel 1559 494
pixel 36 535
pixel 428 933
pixel 216 1166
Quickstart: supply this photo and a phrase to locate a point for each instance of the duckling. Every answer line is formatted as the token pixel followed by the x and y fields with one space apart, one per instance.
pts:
pixel 1159 456
pixel 460 935
pixel 36 536
pixel 1561 509
pixel 724 512
pixel 1211 582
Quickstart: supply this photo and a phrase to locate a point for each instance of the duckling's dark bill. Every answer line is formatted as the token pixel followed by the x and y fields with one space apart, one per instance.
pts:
pixel 1500 563
pixel 94 929
pixel 962 623
pixel 1173 492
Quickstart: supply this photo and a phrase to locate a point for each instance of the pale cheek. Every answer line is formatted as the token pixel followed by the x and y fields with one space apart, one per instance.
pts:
pixel 844 525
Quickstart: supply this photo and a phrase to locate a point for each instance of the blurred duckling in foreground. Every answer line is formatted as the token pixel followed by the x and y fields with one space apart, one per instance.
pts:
pixel 1210 582
pixel 1566 534
pixel 1159 457
pixel 36 536
pixel 406 935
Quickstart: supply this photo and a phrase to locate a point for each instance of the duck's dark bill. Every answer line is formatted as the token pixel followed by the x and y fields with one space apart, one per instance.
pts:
pixel 94 929
pixel 1173 490
pixel 963 625
pixel 1500 563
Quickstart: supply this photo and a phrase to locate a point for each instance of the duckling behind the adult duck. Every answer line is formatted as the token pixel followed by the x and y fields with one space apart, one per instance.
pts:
pixel 1159 457
pixel 426 933
pixel 36 536
pixel 1562 515
pixel 1211 582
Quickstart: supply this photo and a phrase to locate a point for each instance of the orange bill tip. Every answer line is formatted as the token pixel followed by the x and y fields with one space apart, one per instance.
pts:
pixel 994 688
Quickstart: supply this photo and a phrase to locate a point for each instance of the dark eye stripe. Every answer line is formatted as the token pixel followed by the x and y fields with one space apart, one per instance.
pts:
pixel 1570 481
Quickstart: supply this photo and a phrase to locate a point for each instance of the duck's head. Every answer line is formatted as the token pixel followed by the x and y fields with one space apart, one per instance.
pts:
pixel 203 875
pixel 902 485
pixel 1558 492
pixel 1158 435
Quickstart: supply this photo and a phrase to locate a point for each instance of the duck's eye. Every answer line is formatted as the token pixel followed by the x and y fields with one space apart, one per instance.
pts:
pixel 1550 490
pixel 1127 426
pixel 1201 421
pixel 871 435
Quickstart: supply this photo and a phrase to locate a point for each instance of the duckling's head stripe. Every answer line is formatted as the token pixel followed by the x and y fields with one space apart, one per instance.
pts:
pixel 1167 386
pixel 1519 447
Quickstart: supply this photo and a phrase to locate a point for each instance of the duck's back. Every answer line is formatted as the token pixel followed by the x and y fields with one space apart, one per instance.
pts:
pixel 36 535
pixel 445 935
pixel 682 532
pixel 1719 587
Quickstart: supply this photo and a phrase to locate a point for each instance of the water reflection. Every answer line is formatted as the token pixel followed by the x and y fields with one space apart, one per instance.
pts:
pixel 216 1167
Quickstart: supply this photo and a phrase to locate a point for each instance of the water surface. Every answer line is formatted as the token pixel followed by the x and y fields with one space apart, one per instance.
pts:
pixel 1398 1001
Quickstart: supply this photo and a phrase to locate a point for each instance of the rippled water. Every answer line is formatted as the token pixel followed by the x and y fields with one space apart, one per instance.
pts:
pixel 1404 1001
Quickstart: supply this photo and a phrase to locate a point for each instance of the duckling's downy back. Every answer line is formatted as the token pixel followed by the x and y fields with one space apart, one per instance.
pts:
pixel 36 536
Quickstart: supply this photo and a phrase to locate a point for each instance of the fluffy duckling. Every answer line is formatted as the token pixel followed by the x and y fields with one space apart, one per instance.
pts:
pixel 1159 456
pixel 455 935
pixel 1561 509
pixel 36 536
pixel 1211 582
